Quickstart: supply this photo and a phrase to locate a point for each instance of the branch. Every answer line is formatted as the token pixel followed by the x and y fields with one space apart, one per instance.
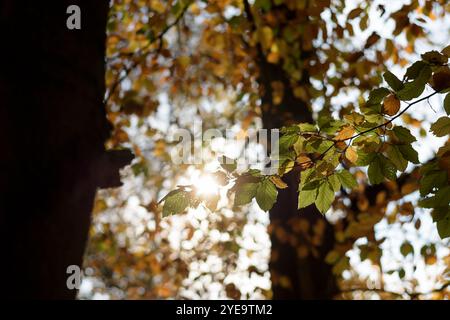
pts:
pixel 141 53
pixel 393 118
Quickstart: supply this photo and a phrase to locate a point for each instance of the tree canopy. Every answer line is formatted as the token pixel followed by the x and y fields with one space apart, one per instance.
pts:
pixel 358 90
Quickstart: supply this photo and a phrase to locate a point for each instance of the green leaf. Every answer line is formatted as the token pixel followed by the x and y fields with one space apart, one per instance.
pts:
pixel 415 88
pixel 388 168
pixel 414 70
pixel 375 171
pixel 287 140
pixel 306 198
pixel 403 134
pixel 307 127
pixel 364 159
pixel 396 157
pixel 447 103
pixel 176 203
pixel 347 179
pixel 409 153
pixel 442 197
pixel 443 227
pixel 441 127
pixel 434 179
pixel 392 80
pixel 171 193
pixel 245 193
pixel 377 95
pixel 440 213
pixel 228 164
pixel 335 182
pixel 325 197
pixel 266 195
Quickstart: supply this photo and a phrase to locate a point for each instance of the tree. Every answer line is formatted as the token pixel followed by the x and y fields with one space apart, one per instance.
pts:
pixel 54 127
pixel 285 62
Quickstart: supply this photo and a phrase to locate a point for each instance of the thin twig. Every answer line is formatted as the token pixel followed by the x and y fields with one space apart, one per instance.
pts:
pixel 140 53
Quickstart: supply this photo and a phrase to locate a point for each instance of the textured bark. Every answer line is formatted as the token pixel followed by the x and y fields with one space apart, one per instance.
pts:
pixel 53 132
pixel 295 276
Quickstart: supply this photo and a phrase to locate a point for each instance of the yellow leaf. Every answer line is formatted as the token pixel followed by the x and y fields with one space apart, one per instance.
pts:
pixel 351 154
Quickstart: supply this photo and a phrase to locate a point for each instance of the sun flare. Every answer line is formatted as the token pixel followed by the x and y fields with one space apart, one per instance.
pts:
pixel 206 185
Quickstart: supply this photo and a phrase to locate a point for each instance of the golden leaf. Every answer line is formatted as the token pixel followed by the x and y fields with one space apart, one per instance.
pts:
pixel 345 134
pixel 351 154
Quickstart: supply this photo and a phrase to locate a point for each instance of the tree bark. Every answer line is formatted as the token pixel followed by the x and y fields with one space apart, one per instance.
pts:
pixel 53 132
pixel 300 238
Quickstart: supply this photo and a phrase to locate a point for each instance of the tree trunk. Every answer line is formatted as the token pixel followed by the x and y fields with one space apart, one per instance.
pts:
pixel 300 238
pixel 53 132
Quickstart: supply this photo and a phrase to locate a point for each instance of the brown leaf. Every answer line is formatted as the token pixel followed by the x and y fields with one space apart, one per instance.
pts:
pixel 371 40
pixel 278 182
pixel 346 133
pixel 354 13
pixel 391 105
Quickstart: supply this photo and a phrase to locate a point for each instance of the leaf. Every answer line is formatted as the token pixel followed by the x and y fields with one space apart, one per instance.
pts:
pixel 446 51
pixel 434 179
pixel 171 193
pixel 391 105
pixel 396 157
pixel 278 182
pixel 354 13
pixel 266 195
pixel 228 164
pixel 409 153
pixel 434 57
pixel 388 168
pixel 325 197
pixel 375 171
pixel 406 248
pixel 287 140
pixel 335 182
pixel 245 193
pixel 364 159
pixel 306 198
pixel 176 203
pixel 415 88
pixel 346 133
pixel 442 197
pixel 403 134
pixel 443 227
pixel 441 127
pixel 351 154
pixel 371 40
pixel 377 95
pixel 395 83
pixel 414 70
pixel 447 103
pixel 347 179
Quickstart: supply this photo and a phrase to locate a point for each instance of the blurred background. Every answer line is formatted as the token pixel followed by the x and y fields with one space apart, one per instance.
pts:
pixel 176 63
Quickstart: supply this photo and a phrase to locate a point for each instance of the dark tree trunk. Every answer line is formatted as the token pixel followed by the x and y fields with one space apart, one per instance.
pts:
pixel 53 131
pixel 300 238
